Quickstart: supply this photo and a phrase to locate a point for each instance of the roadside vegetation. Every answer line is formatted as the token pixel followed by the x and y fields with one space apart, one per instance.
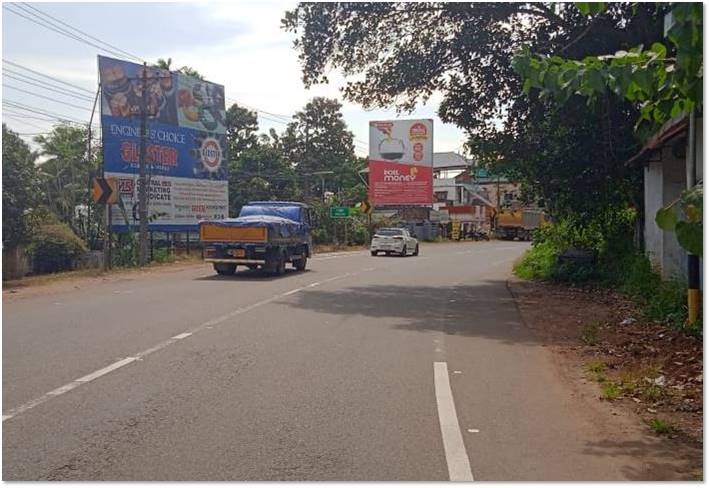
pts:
pixel 617 264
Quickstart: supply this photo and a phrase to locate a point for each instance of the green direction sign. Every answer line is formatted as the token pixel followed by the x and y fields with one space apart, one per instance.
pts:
pixel 339 212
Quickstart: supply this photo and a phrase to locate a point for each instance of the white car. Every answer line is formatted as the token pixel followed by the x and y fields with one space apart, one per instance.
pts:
pixel 394 241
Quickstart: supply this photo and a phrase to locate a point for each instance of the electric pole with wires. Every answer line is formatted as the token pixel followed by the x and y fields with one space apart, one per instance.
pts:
pixel 142 182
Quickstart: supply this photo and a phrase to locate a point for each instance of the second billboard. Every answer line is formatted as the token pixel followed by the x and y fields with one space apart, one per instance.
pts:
pixel 400 162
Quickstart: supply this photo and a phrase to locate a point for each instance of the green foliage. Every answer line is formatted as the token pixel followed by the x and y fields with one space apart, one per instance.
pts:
pixel 661 426
pixel 64 175
pixel 260 172
pixel 404 52
pixel 618 266
pixel 689 231
pixel 242 127
pixel 596 366
pixel 590 334
pixel 186 70
pixel 55 247
pixel 664 81
pixel 610 391
pixel 538 263
pixel 318 140
pixel 20 189
pixel 591 8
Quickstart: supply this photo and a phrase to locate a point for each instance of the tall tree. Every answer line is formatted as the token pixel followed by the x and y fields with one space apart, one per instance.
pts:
pixel 21 192
pixel 403 53
pixel 261 172
pixel 186 70
pixel 318 140
pixel 242 127
pixel 64 173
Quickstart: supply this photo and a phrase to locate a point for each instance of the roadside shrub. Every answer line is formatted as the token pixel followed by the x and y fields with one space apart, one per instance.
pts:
pixel 538 263
pixel 360 235
pixel 320 236
pixel 619 265
pixel 124 251
pixel 54 248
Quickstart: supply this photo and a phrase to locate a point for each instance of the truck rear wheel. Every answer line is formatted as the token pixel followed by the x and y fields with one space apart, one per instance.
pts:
pixel 300 263
pixel 225 268
pixel 276 263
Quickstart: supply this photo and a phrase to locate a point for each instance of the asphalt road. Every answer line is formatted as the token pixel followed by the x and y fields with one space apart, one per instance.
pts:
pixel 361 368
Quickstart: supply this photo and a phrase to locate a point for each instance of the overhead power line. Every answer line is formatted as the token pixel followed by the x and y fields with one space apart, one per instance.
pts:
pixel 115 48
pixel 46 113
pixel 42 84
pixel 46 98
pixel 17 65
pixel 12 117
pixel 27 14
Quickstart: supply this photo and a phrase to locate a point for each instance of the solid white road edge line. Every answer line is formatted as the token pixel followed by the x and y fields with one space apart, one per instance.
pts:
pixel 454 448
pixel 13 412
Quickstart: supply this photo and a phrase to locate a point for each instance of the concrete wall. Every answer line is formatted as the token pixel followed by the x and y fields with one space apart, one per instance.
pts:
pixel 664 181
pixel 448 185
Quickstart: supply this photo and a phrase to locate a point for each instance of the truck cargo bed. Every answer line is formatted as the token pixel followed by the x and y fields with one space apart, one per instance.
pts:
pixel 219 233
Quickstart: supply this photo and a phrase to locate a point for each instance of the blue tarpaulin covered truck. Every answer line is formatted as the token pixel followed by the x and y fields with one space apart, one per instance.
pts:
pixel 266 235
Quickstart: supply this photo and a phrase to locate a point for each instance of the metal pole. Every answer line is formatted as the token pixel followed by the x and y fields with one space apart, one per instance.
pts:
pixel 188 242
pixel 110 257
pixel 142 190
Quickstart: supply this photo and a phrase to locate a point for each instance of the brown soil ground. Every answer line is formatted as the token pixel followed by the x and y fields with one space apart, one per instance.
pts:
pixel 645 370
pixel 57 282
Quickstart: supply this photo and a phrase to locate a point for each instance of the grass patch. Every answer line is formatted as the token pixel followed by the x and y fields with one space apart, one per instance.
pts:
pixel 661 427
pixel 596 366
pixel 610 391
pixel 590 334
pixel 651 393
pixel 597 369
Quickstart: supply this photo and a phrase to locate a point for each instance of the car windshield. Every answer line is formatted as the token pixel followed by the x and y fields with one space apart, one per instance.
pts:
pixel 390 232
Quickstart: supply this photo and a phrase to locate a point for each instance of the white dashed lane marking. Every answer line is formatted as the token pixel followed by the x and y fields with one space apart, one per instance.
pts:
pixel 139 356
pixel 454 448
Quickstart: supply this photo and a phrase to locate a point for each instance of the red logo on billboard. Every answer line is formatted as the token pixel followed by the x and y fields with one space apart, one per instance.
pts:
pixel 418 131
pixel 211 154
pixel 384 127
pixel 125 186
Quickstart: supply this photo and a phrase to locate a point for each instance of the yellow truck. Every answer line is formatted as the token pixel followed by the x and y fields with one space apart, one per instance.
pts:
pixel 518 223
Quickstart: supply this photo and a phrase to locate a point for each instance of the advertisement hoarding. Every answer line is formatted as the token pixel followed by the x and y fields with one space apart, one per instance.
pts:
pixel 185 144
pixel 400 162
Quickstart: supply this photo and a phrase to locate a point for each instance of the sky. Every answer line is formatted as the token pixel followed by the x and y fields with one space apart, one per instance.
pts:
pixel 237 44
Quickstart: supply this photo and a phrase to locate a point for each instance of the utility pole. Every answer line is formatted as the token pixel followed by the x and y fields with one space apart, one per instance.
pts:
pixel 305 156
pixel 142 183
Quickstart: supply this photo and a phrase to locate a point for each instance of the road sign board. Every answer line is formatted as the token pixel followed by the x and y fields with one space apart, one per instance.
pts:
pixel 105 191
pixel 339 212
pixel 365 207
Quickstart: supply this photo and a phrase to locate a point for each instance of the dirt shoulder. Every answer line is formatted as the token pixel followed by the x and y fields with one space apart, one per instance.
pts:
pixel 55 282
pixel 640 377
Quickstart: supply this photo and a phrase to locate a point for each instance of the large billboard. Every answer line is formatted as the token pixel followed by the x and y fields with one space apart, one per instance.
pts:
pixel 185 141
pixel 400 163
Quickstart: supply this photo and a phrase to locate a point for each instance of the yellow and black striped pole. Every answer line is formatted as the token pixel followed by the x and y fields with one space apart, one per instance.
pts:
pixel 693 288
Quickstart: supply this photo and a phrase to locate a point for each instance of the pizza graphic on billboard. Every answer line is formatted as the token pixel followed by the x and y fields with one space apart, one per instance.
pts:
pixel 400 162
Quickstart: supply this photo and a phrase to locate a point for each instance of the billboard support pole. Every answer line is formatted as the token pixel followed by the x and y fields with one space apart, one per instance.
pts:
pixel 142 190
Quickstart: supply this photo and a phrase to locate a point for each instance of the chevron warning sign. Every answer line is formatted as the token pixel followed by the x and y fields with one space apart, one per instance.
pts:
pixel 105 191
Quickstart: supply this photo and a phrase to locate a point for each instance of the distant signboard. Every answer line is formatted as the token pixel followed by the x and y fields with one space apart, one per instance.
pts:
pixel 439 216
pixel 400 162
pixel 339 212
pixel 185 144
